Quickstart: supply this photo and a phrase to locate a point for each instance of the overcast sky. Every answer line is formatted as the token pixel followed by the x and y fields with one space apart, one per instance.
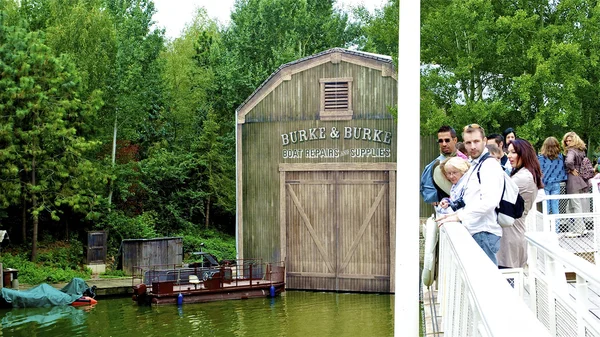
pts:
pixel 174 14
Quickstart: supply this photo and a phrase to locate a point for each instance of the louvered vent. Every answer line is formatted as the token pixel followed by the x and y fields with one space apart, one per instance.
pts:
pixel 336 96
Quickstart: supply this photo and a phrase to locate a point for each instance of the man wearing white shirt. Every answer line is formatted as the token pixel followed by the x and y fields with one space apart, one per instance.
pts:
pixel 481 195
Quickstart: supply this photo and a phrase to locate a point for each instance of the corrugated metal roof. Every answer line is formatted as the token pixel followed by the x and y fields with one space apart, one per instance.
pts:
pixel 378 57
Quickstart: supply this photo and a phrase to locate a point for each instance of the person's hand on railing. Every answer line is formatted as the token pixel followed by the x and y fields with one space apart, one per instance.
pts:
pixel 447 218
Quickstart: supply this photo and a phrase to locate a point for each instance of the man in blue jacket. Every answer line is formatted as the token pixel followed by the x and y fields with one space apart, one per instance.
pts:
pixel 431 191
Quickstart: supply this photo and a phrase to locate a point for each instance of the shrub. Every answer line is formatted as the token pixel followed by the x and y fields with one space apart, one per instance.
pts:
pixel 222 246
pixel 55 266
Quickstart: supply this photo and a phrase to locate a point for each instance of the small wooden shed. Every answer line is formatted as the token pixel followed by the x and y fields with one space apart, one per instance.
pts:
pixel 316 171
pixel 160 253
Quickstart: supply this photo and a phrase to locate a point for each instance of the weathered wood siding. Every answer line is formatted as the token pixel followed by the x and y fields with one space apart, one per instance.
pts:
pixel 161 253
pixel 300 97
pixel 318 193
pixel 338 230
pixel 263 150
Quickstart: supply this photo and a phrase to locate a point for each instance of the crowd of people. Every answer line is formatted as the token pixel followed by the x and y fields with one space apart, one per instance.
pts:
pixel 467 187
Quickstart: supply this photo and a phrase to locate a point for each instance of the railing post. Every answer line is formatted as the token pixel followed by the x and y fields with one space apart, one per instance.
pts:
pixel 596 205
pixel 532 262
pixel 545 220
pixel 581 288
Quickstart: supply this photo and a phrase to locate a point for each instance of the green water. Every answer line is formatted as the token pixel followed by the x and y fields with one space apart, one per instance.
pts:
pixel 296 313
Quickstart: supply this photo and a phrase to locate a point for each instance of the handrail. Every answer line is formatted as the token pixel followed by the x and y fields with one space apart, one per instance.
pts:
pixel 547 243
pixel 557 304
pixel 473 288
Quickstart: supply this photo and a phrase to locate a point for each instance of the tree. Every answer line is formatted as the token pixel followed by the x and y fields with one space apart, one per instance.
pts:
pixel 381 29
pixel 265 34
pixel 530 65
pixel 136 89
pixel 45 154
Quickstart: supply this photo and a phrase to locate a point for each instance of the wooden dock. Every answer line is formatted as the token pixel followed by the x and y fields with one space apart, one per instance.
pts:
pixel 431 312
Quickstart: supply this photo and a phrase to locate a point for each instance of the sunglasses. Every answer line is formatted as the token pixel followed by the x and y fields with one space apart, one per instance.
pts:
pixel 471 126
pixel 442 140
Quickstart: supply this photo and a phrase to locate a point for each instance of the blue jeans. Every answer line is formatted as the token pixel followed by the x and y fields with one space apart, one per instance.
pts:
pixel 490 243
pixel 553 189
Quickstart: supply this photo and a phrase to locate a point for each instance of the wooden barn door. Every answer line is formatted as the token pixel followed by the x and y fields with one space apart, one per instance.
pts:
pixel 337 228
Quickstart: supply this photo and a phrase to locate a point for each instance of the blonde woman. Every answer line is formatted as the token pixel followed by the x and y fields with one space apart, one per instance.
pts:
pixel 574 150
pixel 454 170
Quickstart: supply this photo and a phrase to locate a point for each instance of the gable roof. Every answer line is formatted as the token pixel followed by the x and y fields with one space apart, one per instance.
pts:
pixel 334 55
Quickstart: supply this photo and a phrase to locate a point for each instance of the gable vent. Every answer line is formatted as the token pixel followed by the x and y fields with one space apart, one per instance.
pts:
pixel 336 96
pixel 336 99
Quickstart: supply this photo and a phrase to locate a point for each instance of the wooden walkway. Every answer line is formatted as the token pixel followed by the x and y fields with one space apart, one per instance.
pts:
pixel 432 314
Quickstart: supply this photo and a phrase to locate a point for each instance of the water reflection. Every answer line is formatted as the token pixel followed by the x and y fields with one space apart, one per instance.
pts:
pixel 41 318
pixel 295 313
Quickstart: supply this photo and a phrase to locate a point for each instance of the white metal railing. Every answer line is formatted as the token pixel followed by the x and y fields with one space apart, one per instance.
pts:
pixel 475 298
pixel 563 309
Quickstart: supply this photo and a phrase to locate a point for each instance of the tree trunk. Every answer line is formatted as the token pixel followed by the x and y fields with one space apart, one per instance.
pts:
pixel 24 216
pixel 35 216
pixel 114 156
pixel 207 212
pixel 66 228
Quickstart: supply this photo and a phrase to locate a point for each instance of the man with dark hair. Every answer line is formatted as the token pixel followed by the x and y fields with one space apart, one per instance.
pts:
pixel 482 194
pixel 498 139
pixel 434 190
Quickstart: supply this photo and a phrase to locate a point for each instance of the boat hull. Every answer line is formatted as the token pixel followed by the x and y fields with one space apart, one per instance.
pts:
pixel 210 295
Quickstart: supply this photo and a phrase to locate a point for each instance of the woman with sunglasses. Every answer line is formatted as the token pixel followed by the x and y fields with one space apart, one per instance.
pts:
pixel 526 173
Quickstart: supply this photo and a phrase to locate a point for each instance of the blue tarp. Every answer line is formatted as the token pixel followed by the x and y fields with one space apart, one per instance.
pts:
pixel 45 295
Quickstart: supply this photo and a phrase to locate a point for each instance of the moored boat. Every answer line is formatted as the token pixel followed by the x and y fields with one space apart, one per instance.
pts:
pixel 75 293
pixel 247 279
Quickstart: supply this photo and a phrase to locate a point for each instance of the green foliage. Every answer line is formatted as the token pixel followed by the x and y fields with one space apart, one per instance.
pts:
pixel 56 263
pixel 113 274
pixel 530 65
pixel 265 34
pixel 121 226
pixel 380 29
pixel 77 72
pixel 173 188
pixel 222 246
pixel 44 111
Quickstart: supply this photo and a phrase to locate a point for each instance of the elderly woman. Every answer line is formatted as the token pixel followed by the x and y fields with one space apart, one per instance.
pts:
pixel 454 170
pixel 574 150
pixel 526 173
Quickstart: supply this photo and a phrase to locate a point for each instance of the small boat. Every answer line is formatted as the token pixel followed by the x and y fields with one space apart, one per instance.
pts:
pixel 83 301
pixel 247 279
pixel 75 293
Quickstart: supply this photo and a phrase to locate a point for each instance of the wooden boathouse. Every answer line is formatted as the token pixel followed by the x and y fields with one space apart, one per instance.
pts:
pixel 316 171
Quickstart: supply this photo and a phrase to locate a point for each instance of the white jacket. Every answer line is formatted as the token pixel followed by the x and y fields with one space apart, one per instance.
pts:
pixel 481 200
